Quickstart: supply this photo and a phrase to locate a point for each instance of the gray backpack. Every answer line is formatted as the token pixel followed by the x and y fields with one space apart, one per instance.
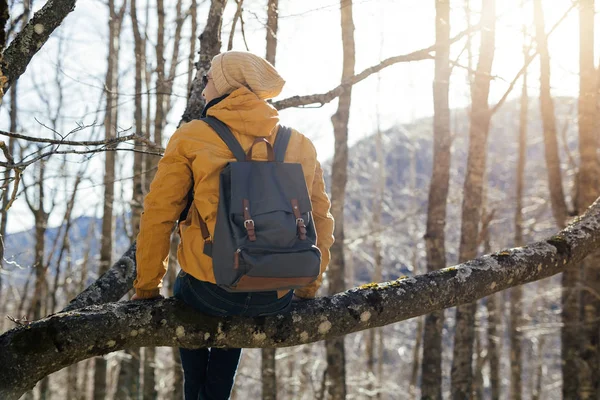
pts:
pixel 264 237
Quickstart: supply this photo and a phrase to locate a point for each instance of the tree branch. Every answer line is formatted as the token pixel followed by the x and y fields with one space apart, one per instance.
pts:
pixel 34 35
pixel 324 98
pixel 109 142
pixel 30 352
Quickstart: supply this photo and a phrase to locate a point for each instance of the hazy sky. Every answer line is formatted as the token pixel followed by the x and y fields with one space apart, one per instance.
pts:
pixel 309 57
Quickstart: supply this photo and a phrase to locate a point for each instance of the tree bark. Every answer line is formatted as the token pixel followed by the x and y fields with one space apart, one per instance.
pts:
pixel 55 342
pixel 210 46
pixel 462 371
pixel 336 357
pixel 30 40
pixel 272 20
pixel 431 364
pixel 587 186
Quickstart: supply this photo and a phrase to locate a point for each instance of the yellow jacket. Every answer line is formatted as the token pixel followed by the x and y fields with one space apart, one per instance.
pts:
pixel 195 150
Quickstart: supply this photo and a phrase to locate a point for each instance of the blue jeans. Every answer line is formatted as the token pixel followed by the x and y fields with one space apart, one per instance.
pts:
pixel 209 373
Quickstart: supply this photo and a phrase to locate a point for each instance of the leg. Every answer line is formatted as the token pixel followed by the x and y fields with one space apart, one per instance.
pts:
pixel 222 367
pixel 194 363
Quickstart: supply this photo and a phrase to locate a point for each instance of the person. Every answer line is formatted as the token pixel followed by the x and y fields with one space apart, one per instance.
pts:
pixel 236 89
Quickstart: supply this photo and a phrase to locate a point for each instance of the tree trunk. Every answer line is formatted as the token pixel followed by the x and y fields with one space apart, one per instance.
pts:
pixel 414 376
pixel 137 199
pixel 516 293
pixel 587 186
pixel 110 125
pixel 269 364
pixel 128 381
pixel 194 15
pixel 272 19
pixel 149 385
pixel 570 296
pixel 269 377
pixel 462 371
pixel 431 364
pixel 161 87
pixel 336 357
pixel 6 197
pixel 494 351
pixel 210 46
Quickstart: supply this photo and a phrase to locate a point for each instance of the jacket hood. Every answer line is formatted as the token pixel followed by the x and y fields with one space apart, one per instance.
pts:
pixel 244 112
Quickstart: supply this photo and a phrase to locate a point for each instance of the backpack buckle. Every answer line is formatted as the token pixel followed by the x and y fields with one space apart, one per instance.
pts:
pixel 249 225
pixel 299 221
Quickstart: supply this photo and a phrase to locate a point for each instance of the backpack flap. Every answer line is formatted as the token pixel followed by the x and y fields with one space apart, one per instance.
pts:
pixel 270 221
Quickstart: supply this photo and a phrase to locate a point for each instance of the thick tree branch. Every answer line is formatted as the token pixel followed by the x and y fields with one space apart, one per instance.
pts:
pixel 30 352
pixel 111 286
pixel 324 98
pixel 34 35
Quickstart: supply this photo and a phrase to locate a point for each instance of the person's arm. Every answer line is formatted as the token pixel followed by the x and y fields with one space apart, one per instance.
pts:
pixel 162 206
pixel 324 226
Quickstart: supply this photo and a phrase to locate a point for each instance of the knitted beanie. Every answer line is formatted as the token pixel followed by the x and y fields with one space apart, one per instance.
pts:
pixel 234 69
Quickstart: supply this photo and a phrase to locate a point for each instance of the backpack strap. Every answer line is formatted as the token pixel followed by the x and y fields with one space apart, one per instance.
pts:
pixel 281 142
pixel 225 134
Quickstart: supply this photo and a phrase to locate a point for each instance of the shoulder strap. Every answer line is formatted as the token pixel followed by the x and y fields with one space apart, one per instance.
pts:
pixel 225 134
pixel 281 142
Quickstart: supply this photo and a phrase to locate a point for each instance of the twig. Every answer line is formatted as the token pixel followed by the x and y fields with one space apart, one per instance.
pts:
pixel 23 165
pixel 112 141
pixel 242 26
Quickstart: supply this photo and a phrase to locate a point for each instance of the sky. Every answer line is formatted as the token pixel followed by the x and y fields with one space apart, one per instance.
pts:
pixel 309 57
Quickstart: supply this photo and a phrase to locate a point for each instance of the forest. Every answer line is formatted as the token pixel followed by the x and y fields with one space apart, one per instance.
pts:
pixel 460 145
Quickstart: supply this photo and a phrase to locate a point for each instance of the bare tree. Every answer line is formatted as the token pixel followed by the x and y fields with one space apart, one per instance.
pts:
pixel 516 294
pixel 431 365
pixel 462 372
pixel 336 357
pixel 587 187
pixel 269 364
pixel 570 296
pixel 110 126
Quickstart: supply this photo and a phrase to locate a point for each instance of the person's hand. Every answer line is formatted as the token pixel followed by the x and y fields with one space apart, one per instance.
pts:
pixel 135 297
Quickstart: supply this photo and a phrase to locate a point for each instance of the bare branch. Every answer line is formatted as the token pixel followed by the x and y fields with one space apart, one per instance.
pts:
pixel 28 42
pixel 25 164
pixel 324 98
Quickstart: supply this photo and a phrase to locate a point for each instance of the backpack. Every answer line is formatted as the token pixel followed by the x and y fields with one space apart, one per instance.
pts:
pixel 264 238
